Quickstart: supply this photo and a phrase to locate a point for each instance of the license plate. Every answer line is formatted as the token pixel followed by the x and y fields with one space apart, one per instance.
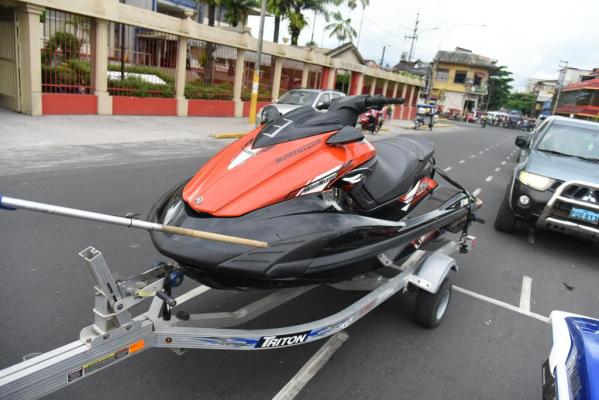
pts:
pixel 584 215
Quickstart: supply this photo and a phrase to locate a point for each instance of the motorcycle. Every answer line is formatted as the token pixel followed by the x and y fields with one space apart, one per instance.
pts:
pixel 371 121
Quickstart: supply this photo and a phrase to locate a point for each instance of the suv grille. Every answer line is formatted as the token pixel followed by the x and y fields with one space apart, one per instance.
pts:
pixel 582 193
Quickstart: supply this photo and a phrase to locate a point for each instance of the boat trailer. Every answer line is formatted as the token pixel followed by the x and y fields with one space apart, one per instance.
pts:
pixel 115 335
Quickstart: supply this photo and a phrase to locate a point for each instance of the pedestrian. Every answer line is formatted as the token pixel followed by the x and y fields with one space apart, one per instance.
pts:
pixel 389 112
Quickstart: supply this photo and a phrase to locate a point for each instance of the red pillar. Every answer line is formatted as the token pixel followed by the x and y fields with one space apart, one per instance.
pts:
pixel 407 106
pixel 356 83
pixel 326 76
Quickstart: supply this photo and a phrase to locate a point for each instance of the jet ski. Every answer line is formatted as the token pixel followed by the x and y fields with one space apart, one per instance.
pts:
pixel 328 202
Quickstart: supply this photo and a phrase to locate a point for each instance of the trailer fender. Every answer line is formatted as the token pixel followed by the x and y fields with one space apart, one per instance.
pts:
pixel 432 272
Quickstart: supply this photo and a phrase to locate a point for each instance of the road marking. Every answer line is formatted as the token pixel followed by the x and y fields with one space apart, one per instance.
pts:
pixel 507 158
pixel 489 178
pixel 503 163
pixel 497 169
pixel 311 368
pixel 526 293
pixel 500 303
pixel 487 149
pixel 447 169
pixel 462 161
pixel 476 192
pixel 472 156
pixel 481 152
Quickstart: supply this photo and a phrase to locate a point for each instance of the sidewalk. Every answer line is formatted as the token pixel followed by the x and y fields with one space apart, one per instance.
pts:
pixel 32 144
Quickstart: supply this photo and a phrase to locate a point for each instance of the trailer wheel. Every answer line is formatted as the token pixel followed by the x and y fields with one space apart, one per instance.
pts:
pixel 429 308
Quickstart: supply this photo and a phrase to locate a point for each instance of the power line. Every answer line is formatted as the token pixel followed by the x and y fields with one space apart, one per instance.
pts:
pixel 413 37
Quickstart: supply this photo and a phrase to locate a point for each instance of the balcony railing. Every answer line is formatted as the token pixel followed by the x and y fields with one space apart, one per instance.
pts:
pixel 479 89
pixel 182 3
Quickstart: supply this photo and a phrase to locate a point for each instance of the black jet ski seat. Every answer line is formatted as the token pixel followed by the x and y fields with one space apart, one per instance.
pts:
pixel 399 163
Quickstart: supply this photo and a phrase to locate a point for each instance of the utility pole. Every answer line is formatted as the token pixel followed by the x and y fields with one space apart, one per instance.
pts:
pixel 563 64
pixel 413 37
pixel 256 78
pixel 383 55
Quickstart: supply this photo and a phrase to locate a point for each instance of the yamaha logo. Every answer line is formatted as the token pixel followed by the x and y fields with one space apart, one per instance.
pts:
pixel 198 200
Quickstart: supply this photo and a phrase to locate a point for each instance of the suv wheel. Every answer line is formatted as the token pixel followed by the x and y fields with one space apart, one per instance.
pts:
pixel 505 220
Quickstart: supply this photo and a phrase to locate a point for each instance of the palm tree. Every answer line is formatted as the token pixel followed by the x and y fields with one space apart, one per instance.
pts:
pixel 209 46
pixel 341 28
pixel 278 9
pixel 236 10
pixel 352 4
pixel 296 18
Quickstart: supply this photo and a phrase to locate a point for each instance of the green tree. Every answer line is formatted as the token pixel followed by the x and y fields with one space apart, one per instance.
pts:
pixel 278 9
pixel 341 28
pixel 353 4
pixel 499 87
pixel 524 102
pixel 295 14
pixel 237 9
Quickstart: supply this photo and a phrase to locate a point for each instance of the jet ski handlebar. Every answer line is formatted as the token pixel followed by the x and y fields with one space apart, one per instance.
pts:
pixel 350 107
pixel 380 100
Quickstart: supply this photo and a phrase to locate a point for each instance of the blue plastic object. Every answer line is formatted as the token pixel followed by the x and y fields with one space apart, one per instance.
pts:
pixel 175 278
pixel 585 337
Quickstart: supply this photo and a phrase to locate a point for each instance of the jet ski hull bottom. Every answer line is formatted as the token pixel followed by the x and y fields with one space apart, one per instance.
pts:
pixel 309 241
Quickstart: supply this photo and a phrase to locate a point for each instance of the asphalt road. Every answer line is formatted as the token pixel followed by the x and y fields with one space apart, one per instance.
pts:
pixel 480 351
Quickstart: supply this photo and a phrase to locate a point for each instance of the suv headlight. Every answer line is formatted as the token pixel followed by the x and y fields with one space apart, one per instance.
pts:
pixel 536 182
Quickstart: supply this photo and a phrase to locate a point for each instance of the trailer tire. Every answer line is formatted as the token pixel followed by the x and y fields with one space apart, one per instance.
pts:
pixel 429 308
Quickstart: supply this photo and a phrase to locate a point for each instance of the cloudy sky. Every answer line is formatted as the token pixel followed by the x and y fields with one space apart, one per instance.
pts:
pixel 530 37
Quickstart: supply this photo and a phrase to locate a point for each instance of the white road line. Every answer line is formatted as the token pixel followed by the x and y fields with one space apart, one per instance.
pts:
pixel 481 152
pixel 487 149
pixel 503 163
pixel 526 293
pixel 311 368
pixel 473 156
pixel 507 158
pixel 500 303
pixel 476 192
pixel 447 169
pixel 497 169
pixel 489 178
pixel 462 161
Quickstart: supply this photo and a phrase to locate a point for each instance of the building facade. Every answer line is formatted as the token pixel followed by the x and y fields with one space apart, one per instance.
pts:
pixel 459 80
pixel 580 99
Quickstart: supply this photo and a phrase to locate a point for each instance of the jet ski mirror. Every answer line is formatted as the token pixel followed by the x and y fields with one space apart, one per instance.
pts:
pixel 269 113
pixel 347 134
pixel 323 105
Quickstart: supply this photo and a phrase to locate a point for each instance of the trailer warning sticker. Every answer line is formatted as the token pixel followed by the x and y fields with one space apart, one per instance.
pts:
pixel 104 361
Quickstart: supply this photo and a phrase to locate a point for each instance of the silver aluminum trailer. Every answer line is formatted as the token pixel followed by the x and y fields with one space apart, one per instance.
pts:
pixel 116 335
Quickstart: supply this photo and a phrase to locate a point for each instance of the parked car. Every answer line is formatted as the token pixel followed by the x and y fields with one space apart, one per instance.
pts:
pixel 556 184
pixel 302 97
pixel 572 368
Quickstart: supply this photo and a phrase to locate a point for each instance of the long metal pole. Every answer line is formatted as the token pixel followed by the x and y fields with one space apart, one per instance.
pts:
pixel 10 203
pixel 256 79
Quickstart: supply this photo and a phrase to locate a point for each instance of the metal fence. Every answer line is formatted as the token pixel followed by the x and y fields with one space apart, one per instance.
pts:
pixel 210 70
pixel 65 53
pixel 267 64
pixel 141 62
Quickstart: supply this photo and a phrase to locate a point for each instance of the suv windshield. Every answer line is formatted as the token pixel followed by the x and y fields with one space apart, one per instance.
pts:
pixel 571 141
pixel 298 98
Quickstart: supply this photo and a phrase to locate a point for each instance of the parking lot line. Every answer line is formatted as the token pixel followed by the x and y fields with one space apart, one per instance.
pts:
pixel 500 303
pixel 311 367
pixel 526 293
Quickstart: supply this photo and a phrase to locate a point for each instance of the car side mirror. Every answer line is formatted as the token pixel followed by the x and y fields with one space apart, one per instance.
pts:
pixel 269 113
pixel 523 142
pixel 323 105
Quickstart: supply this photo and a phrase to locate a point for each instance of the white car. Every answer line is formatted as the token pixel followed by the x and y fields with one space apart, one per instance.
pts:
pixel 302 97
